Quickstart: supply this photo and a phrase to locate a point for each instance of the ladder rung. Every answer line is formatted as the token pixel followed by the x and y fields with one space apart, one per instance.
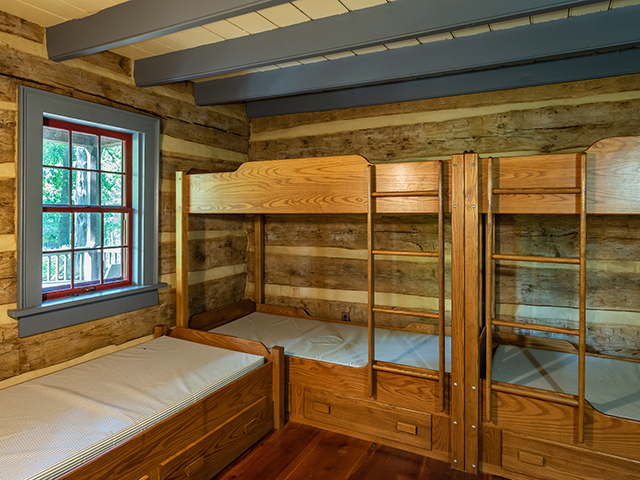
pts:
pixel 556 397
pixel 539 259
pixel 416 193
pixel 404 253
pixel 406 312
pixel 533 326
pixel 405 370
pixel 536 191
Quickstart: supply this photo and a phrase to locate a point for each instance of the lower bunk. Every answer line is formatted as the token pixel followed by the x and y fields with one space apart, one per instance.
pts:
pixel 176 407
pixel 326 375
pixel 532 432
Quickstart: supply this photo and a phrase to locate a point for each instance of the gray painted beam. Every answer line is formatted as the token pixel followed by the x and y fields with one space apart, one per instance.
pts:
pixel 596 32
pixel 138 20
pixel 385 23
pixel 574 69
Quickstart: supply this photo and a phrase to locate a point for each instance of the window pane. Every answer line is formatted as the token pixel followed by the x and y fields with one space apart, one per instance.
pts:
pixel 88 230
pixel 55 147
pixel 56 271
pixel 113 230
pixel 87 267
pixel 85 150
pixel 55 186
pixel 85 188
pixel 56 231
pixel 111 160
pixel 114 264
pixel 111 189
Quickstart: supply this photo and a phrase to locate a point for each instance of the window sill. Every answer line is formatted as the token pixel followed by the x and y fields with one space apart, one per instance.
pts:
pixel 64 312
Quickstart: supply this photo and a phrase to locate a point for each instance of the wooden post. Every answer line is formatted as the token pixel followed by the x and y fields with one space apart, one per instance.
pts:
pixel 159 331
pixel 370 277
pixel 457 312
pixel 182 250
pixel 472 298
pixel 441 275
pixel 277 358
pixel 259 259
pixel 490 266
pixel 583 296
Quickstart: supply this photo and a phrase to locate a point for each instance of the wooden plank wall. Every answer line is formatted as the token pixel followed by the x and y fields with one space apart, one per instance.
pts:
pixel 561 118
pixel 209 139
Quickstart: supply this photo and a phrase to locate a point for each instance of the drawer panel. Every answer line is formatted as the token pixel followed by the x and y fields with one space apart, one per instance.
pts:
pixel 366 416
pixel 210 453
pixel 555 461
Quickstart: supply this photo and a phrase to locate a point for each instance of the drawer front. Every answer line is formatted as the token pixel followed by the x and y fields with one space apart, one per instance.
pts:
pixel 555 461
pixel 209 454
pixel 376 419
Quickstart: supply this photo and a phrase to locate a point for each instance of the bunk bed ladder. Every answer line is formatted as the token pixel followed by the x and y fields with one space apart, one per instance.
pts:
pixel 490 304
pixel 373 365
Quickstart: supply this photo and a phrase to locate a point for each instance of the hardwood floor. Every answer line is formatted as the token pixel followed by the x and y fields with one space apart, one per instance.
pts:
pixel 299 452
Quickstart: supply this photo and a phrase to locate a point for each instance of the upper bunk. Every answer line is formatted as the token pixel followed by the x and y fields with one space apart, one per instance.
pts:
pixel 552 184
pixel 314 185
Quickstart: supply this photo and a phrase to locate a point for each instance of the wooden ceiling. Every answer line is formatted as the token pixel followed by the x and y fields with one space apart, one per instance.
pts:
pixel 318 54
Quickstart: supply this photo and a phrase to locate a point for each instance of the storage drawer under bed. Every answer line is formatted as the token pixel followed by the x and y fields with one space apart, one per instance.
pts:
pixel 366 416
pixel 555 461
pixel 207 456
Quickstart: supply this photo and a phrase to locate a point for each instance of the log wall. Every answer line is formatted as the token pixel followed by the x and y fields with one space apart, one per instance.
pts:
pixel 209 139
pixel 320 264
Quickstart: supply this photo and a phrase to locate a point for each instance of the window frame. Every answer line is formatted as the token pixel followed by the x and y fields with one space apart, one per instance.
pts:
pixel 35 315
pixel 124 209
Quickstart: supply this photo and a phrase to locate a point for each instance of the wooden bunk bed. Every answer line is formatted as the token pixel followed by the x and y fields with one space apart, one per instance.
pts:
pixel 399 405
pixel 116 418
pixel 538 418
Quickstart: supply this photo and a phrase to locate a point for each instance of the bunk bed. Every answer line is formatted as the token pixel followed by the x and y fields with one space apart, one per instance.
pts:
pixel 357 382
pixel 551 409
pixel 179 406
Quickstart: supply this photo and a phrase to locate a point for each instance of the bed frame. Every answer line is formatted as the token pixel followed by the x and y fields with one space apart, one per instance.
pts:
pixel 392 404
pixel 472 421
pixel 533 433
pixel 202 439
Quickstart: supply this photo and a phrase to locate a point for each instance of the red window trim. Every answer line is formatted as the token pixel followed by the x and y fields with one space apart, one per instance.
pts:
pixel 126 210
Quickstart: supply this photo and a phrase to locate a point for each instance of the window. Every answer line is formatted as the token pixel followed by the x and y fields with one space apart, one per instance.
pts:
pixel 87 211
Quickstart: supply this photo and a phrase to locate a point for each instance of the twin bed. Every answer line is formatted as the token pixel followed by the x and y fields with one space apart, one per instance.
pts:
pixel 178 406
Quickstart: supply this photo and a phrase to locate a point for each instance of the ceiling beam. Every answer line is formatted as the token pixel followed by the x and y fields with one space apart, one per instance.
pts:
pixel 138 20
pixel 596 32
pixel 573 69
pixel 386 23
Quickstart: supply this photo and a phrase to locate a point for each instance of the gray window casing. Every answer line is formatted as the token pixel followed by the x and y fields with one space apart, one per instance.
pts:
pixel 35 316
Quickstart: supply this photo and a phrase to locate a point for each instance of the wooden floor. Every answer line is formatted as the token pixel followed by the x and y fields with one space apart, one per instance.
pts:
pixel 301 452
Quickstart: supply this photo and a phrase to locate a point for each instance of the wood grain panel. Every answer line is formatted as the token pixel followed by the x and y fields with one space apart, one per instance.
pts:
pixel 553 461
pixel 557 423
pixel 312 373
pixel 369 417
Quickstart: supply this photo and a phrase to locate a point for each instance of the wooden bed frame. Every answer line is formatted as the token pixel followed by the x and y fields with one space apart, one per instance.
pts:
pixel 532 433
pixel 517 432
pixel 391 404
pixel 202 439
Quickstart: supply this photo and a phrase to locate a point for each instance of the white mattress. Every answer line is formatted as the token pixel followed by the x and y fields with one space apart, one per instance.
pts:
pixel 340 343
pixel 611 386
pixel 53 424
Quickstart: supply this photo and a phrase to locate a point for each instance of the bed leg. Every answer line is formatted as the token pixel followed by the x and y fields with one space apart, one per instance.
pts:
pixel 277 357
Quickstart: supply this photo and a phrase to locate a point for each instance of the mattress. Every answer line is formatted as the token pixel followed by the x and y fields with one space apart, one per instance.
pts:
pixel 611 386
pixel 339 343
pixel 53 424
